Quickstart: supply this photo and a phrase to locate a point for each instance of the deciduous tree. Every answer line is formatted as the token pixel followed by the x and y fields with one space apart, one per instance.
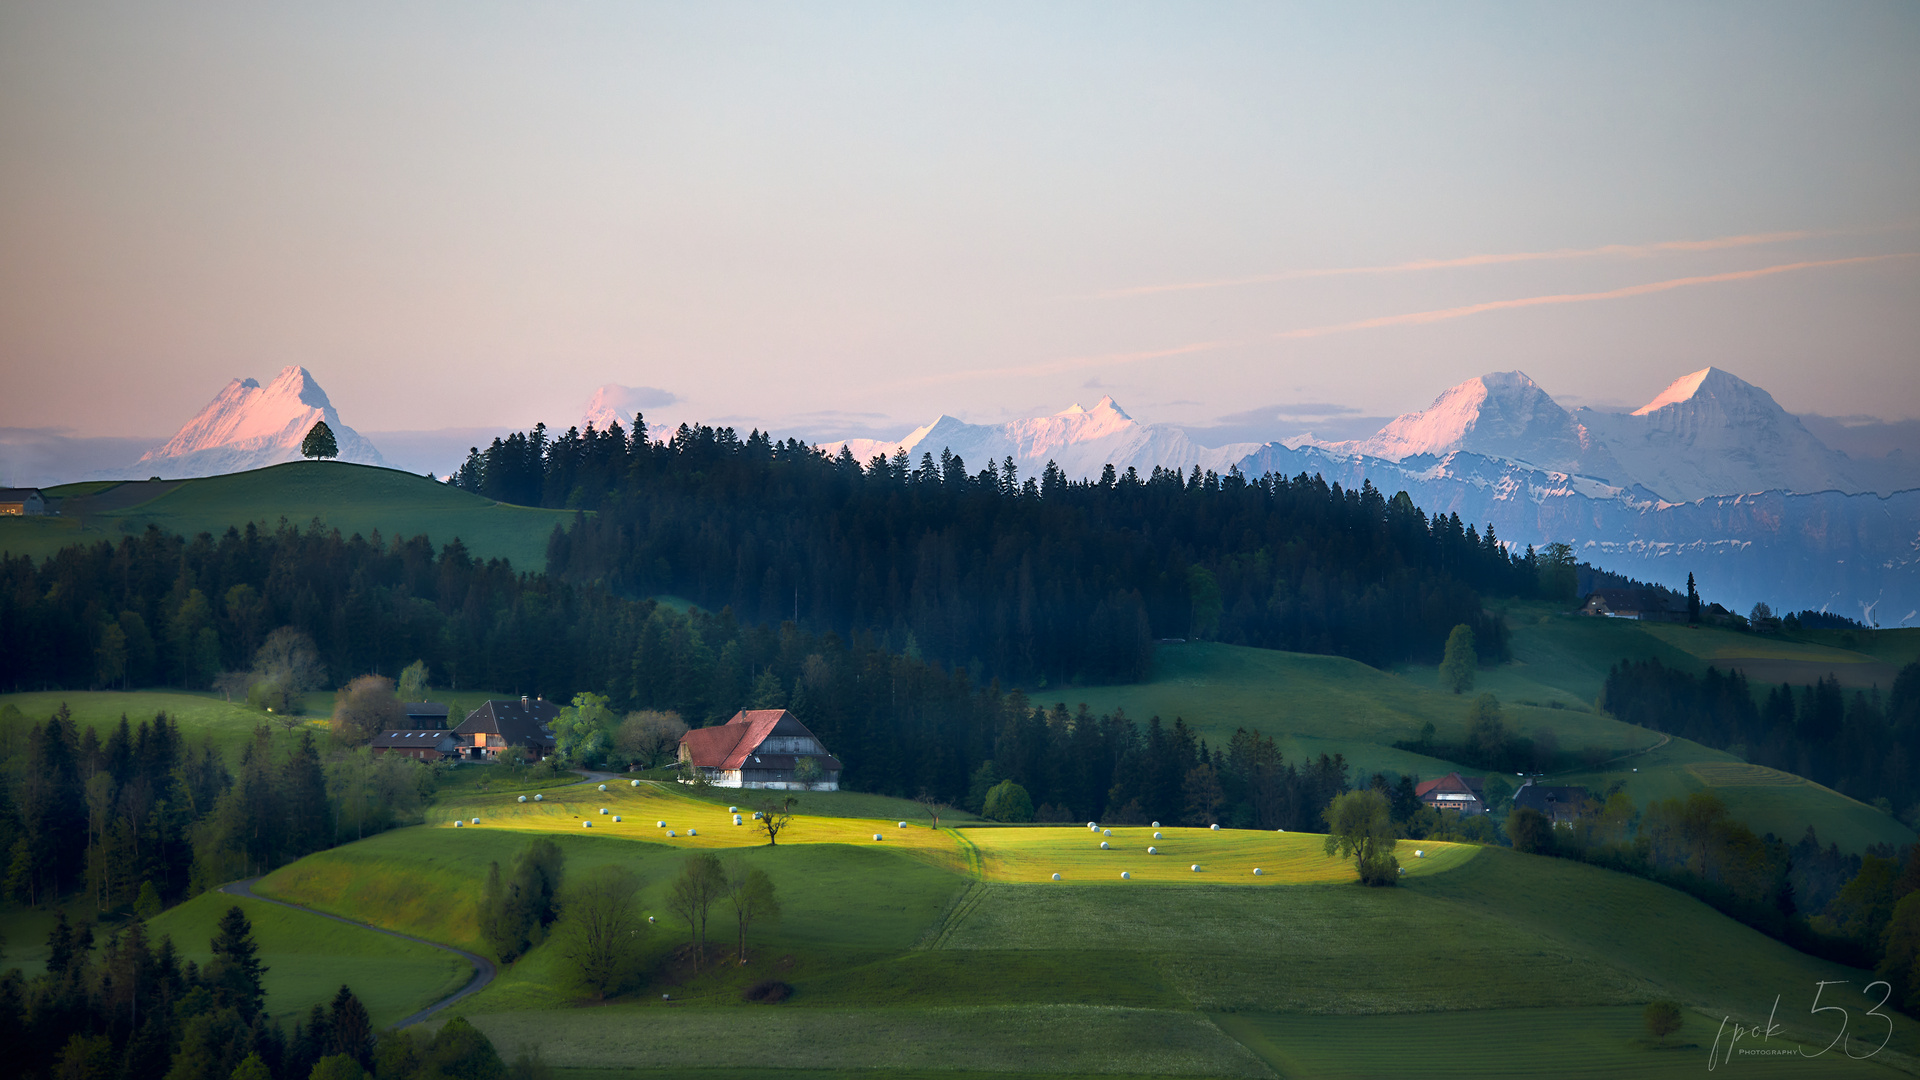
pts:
pixel 1360 826
pixel 751 893
pixel 702 881
pixel 319 442
pixel 1458 664
pixel 601 927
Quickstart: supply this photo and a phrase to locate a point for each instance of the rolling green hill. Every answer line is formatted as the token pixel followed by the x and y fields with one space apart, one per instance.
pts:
pixel 348 497
pixel 899 963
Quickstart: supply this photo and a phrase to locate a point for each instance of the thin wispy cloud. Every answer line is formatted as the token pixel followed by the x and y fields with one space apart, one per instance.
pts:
pixel 1621 251
pixel 1443 314
pixel 1071 363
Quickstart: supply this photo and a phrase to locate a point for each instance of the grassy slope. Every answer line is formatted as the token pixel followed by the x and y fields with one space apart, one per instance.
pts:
pixel 1314 704
pixel 884 946
pixel 200 716
pixel 351 498
pixel 309 958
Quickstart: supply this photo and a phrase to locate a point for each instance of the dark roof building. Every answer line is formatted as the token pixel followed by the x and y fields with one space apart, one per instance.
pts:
pixel 425 714
pixel 1650 605
pixel 1561 805
pixel 761 748
pixel 1461 794
pixel 430 744
pixel 496 725
pixel 15 502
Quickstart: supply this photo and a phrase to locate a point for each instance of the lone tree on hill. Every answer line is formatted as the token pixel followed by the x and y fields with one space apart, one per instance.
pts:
pixel 600 928
pixel 1458 664
pixel 1662 1018
pixel 319 442
pixel 702 881
pixel 1360 825
pixel 750 891
pixel 774 816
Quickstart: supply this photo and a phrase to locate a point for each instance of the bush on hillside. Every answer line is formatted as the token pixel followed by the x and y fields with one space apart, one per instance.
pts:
pixel 1008 801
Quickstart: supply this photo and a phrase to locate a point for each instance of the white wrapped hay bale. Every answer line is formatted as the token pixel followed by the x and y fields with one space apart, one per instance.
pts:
pixel 736 819
pixel 733 809
pixel 1156 824
pixel 604 810
pixel 670 832
pixel 659 824
pixel 902 825
pixel 1157 836
pixel 1104 845
pixel 1091 825
pixel 536 798
pixel 1056 876
pixel 457 823
pixel 1153 851
pixel 603 787
pixel 876 836
pixel 586 824
pixel 1124 876
pixel 1419 854
pixel 616 817
pixel 693 832
pixel 1256 871
pixel 635 783
pixel 1106 832
pixel 476 821
pixel 1195 868
pixel 1215 828
pixel 523 798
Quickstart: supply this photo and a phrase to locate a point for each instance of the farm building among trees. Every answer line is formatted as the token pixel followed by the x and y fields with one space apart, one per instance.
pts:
pixel 424 744
pixel 1461 794
pixel 16 502
pixel 1560 805
pixel 761 748
pixel 497 725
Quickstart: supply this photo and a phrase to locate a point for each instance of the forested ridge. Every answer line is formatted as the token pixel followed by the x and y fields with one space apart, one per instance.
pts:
pixel 1041 578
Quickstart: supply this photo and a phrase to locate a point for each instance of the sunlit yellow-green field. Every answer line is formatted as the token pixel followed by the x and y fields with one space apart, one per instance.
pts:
pixel 1224 857
pixel 658 813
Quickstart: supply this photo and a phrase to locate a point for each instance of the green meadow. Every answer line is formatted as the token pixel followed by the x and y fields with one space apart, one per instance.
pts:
pixel 348 497
pixel 309 957
pixel 200 716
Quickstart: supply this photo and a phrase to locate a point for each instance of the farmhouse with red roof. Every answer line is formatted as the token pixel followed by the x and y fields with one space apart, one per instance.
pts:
pixel 761 748
pixel 1461 794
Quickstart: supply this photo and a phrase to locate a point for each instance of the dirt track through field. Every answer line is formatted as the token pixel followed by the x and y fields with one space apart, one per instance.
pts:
pixel 483 968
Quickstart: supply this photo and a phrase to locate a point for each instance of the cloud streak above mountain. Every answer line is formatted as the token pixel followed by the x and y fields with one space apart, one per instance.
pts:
pixel 1630 251
pixel 1444 314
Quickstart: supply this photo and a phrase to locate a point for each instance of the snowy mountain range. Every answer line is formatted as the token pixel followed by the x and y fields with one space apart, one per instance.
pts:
pixel 1711 477
pixel 250 426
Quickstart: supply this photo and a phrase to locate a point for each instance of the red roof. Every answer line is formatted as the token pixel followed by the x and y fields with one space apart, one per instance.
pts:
pixel 727 746
pixel 1452 783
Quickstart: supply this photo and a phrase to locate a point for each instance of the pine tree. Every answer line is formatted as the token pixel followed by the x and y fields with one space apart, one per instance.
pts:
pixel 1693 601
pixel 319 442
pixel 237 970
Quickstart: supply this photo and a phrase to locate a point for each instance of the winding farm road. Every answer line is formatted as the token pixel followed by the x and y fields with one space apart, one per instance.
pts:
pixel 483 968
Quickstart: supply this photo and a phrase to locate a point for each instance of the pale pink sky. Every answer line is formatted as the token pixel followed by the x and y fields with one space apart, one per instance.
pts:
pixel 852 217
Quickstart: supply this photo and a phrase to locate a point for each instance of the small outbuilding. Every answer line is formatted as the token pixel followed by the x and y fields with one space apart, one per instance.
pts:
pixel 1561 805
pixel 425 715
pixel 430 744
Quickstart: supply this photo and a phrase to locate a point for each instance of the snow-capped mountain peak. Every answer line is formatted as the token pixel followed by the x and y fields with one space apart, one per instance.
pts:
pixel 1683 389
pixel 1501 414
pixel 250 426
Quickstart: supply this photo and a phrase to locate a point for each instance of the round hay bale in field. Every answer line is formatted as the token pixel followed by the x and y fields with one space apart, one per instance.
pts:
pixel 536 798
pixel 603 787
pixel 523 798
pixel 1153 851
pixel 635 783
pixel 659 824
pixel 616 817
pixel 1106 832
pixel 1215 828
pixel 1256 871
pixel 1156 824
pixel 1124 876
pixel 1403 869
pixel 876 836
pixel 670 832
pixel 903 825
pixel 649 918
pixel 1195 868
pixel 604 810
pixel 476 821
pixel 586 824
pixel 736 819
pixel 1056 875
pixel 1104 845
pixel 1157 836
pixel 1419 854
pixel 693 832
pixel 733 809
pixel 457 823
pixel 1091 825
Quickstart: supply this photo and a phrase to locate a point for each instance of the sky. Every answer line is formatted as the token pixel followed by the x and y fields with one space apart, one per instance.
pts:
pixel 845 219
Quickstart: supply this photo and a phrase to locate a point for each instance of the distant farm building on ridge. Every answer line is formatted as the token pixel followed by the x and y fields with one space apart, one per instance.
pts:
pixel 1561 805
pixel 22 502
pixel 1647 605
pixel 497 725
pixel 1456 793
pixel 761 748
